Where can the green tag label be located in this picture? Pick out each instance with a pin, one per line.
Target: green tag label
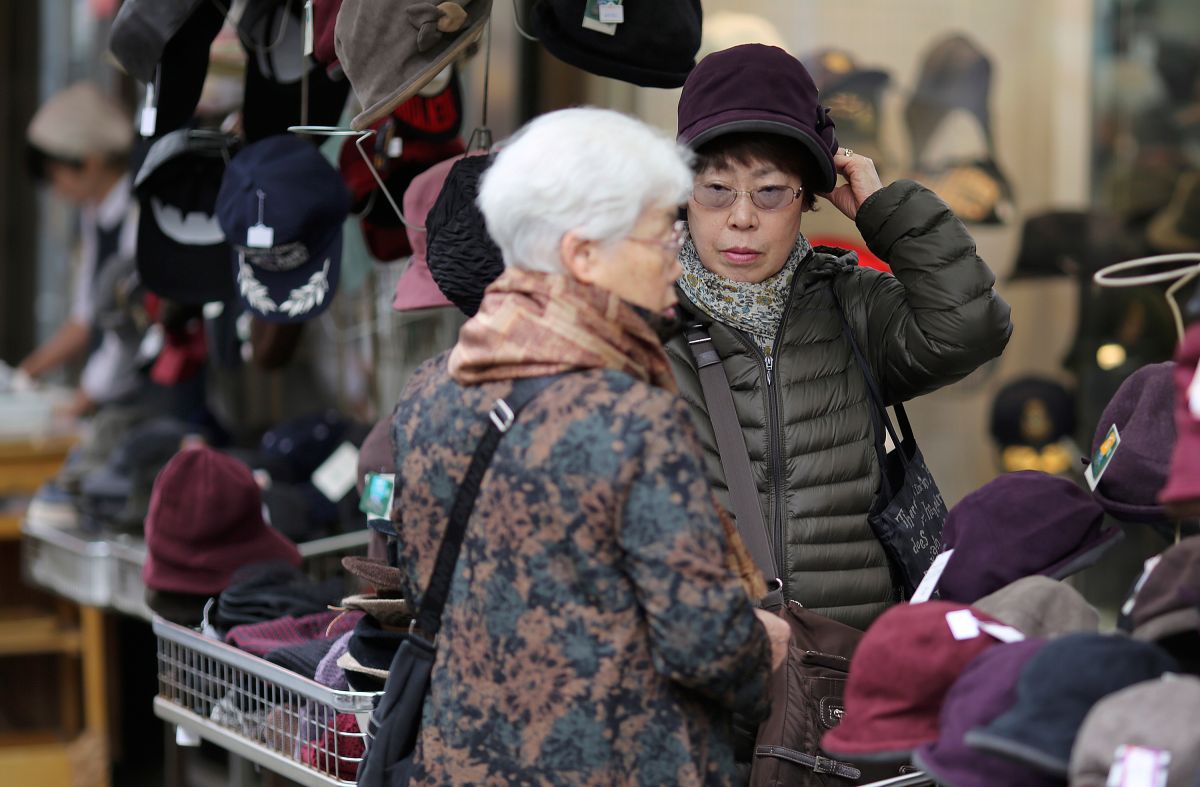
(1104, 455)
(377, 495)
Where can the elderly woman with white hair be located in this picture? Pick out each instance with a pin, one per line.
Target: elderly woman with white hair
(596, 630)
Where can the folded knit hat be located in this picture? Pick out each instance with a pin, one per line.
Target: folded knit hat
(904, 665)
(1158, 714)
(1038, 606)
(1017, 525)
(205, 521)
(463, 259)
(1057, 689)
(986, 688)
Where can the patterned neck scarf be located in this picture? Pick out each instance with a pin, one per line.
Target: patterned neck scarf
(533, 324)
(753, 308)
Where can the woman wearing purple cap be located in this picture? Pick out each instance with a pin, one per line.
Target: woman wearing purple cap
(766, 149)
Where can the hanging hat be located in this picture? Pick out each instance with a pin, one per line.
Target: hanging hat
(763, 89)
(205, 522)
(141, 30)
(1057, 688)
(272, 34)
(854, 96)
(389, 53)
(1164, 604)
(976, 190)
(1176, 228)
(181, 249)
(284, 185)
(904, 665)
(723, 29)
(1017, 525)
(1066, 243)
(416, 289)
(325, 14)
(1143, 410)
(1032, 421)
(301, 444)
(986, 688)
(463, 259)
(80, 121)
(1158, 714)
(421, 132)
(1038, 606)
(655, 45)
(1181, 494)
(955, 74)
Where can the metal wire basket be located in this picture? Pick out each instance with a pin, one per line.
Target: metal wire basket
(269, 715)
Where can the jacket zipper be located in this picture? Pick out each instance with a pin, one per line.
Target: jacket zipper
(774, 441)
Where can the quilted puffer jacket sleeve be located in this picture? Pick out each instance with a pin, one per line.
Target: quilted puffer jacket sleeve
(938, 318)
(703, 632)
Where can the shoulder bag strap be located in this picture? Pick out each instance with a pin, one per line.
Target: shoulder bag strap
(501, 417)
(879, 413)
(735, 459)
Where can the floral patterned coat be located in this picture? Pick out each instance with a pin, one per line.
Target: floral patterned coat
(594, 634)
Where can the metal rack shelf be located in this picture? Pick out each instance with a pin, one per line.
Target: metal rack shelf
(258, 710)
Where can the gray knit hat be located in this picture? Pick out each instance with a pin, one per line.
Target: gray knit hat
(1157, 714)
(390, 50)
(1038, 606)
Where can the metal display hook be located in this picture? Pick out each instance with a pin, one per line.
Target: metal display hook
(362, 136)
(1106, 277)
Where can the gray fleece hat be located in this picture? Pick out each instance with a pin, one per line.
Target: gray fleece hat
(1038, 606)
(1158, 714)
(389, 50)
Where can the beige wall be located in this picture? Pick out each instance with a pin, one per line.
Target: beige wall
(1040, 52)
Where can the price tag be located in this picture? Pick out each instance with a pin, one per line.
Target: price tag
(337, 474)
(963, 624)
(591, 17)
(1001, 632)
(1139, 766)
(377, 495)
(1194, 394)
(259, 235)
(925, 590)
(395, 147)
(1104, 455)
(308, 27)
(612, 13)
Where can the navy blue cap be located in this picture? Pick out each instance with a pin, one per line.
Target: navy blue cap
(284, 182)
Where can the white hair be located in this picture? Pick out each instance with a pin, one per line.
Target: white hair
(590, 171)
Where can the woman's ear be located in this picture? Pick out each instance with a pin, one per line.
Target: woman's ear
(578, 256)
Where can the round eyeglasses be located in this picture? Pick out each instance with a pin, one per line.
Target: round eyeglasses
(672, 243)
(714, 195)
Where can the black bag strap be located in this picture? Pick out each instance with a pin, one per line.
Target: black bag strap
(501, 417)
(735, 459)
(879, 413)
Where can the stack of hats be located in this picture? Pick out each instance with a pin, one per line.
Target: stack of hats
(384, 625)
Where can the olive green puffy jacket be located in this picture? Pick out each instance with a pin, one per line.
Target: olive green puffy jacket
(806, 421)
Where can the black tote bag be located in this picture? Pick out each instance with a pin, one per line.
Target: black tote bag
(909, 513)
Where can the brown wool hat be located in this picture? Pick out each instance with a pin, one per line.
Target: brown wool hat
(375, 572)
(1038, 606)
(1157, 714)
(390, 50)
(394, 612)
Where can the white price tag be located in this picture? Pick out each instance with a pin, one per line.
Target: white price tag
(260, 236)
(395, 147)
(925, 590)
(186, 738)
(1001, 632)
(1194, 394)
(1139, 766)
(308, 27)
(337, 474)
(149, 121)
(612, 13)
(963, 624)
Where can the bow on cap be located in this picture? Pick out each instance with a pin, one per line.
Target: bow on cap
(435, 21)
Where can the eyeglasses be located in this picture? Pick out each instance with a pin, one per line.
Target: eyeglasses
(672, 243)
(714, 195)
